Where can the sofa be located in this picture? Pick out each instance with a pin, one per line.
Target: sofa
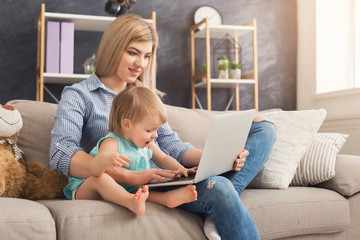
(329, 210)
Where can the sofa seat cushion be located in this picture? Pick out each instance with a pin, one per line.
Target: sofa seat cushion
(297, 211)
(90, 219)
(25, 219)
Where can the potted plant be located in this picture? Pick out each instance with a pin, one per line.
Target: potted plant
(203, 69)
(235, 70)
(223, 67)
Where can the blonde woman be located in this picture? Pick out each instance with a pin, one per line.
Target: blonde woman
(127, 57)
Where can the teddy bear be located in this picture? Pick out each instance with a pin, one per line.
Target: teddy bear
(19, 177)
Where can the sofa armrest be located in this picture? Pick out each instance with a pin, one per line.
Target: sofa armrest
(35, 136)
(347, 176)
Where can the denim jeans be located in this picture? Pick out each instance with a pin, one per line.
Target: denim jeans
(218, 196)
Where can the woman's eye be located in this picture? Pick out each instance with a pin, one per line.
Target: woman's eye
(147, 56)
(132, 53)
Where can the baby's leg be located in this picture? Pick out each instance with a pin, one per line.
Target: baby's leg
(174, 198)
(105, 187)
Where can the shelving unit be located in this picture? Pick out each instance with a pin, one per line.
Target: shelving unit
(218, 32)
(82, 23)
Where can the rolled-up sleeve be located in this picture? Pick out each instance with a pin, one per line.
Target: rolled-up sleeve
(67, 131)
(170, 143)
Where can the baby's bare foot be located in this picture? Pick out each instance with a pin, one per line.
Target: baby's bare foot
(137, 205)
(180, 196)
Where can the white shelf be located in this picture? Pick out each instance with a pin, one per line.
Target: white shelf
(219, 31)
(224, 83)
(84, 22)
(59, 78)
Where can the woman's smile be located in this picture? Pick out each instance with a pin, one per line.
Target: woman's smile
(134, 72)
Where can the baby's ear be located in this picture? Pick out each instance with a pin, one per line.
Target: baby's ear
(125, 124)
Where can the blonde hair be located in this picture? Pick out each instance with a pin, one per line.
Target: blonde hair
(134, 104)
(123, 30)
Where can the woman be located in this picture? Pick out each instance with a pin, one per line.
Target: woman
(127, 57)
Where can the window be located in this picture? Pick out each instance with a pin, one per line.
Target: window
(337, 45)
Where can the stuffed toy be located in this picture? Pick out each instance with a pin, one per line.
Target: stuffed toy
(19, 177)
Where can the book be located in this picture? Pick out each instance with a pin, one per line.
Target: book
(52, 47)
(67, 32)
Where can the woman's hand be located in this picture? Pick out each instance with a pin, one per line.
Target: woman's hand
(240, 160)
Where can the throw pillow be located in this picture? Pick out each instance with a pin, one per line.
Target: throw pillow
(295, 132)
(318, 162)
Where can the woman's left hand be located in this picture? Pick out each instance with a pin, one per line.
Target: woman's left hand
(240, 160)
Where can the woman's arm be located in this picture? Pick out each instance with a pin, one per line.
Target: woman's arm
(192, 157)
(66, 135)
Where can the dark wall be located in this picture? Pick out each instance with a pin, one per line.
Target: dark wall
(276, 21)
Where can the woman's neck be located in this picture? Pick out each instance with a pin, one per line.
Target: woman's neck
(114, 84)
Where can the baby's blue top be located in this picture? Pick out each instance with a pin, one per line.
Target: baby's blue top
(140, 158)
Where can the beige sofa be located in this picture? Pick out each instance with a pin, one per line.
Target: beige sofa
(329, 211)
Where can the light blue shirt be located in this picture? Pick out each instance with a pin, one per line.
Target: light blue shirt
(82, 118)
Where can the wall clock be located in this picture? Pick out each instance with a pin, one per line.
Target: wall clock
(212, 13)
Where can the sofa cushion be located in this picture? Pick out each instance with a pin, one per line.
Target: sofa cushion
(90, 219)
(192, 125)
(347, 178)
(296, 211)
(24, 219)
(38, 119)
(318, 163)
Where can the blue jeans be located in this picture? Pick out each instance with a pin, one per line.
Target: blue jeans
(218, 196)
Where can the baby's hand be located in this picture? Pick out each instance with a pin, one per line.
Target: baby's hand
(186, 171)
(114, 159)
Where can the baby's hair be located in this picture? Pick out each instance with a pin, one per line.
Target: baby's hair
(134, 104)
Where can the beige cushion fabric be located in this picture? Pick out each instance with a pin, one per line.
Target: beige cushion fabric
(318, 163)
(296, 211)
(295, 132)
(38, 118)
(192, 125)
(86, 219)
(24, 219)
(347, 179)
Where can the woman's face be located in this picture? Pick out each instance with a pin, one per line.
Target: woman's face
(134, 60)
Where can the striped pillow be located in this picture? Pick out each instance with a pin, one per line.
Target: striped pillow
(318, 163)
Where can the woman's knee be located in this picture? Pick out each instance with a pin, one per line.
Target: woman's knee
(264, 125)
(220, 186)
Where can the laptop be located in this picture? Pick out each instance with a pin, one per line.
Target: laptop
(226, 139)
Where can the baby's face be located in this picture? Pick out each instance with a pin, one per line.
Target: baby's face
(143, 132)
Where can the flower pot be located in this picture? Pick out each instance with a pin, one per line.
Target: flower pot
(223, 74)
(235, 73)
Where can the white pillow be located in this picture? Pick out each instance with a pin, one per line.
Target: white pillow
(295, 132)
(318, 162)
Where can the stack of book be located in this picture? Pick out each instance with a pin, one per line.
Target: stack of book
(60, 47)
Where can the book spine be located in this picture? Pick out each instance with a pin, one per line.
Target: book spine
(67, 48)
(52, 47)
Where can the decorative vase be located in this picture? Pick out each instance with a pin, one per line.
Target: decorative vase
(223, 74)
(223, 68)
(235, 73)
